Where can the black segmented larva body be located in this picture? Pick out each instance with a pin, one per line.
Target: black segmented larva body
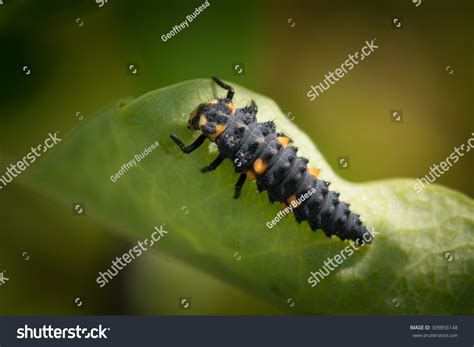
(258, 152)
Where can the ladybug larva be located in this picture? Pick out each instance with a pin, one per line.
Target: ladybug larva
(259, 153)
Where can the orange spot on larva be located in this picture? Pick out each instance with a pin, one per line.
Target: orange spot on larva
(231, 107)
(283, 205)
(314, 172)
(283, 140)
(292, 201)
(202, 120)
(259, 166)
(219, 129)
(251, 176)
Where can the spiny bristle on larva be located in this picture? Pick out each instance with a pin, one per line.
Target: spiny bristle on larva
(268, 128)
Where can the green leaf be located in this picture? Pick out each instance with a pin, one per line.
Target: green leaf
(406, 270)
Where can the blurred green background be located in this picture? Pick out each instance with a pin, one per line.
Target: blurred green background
(79, 56)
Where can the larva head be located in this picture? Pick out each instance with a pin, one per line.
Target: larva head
(211, 117)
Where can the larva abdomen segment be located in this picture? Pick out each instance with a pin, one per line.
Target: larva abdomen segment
(323, 210)
(286, 177)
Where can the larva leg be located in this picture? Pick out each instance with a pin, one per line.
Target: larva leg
(212, 166)
(188, 149)
(239, 184)
(230, 90)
